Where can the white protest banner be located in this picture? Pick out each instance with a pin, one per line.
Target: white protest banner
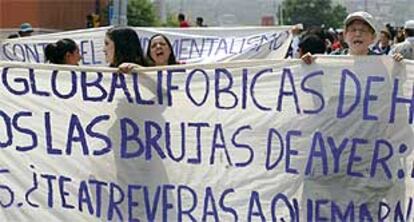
(264, 140)
(190, 45)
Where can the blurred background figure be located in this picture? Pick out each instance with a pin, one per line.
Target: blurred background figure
(383, 46)
(293, 51)
(93, 21)
(64, 51)
(200, 22)
(25, 29)
(311, 43)
(391, 30)
(160, 51)
(399, 37)
(339, 42)
(183, 23)
(89, 21)
(13, 36)
(405, 49)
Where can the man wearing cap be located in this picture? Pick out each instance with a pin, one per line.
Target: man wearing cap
(343, 188)
(405, 50)
(25, 30)
(359, 34)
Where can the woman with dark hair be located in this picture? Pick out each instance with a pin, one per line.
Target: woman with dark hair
(160, 51)
(64, 51)
(122, 45)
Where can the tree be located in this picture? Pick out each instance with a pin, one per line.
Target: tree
(338, 16)
(141, 13)
(171, 21)
(313, 13)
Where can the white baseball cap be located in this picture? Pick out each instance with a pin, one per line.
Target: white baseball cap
(409, 24)
(363, 16)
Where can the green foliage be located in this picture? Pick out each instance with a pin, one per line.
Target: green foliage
(313, 13)
(339, 14)
(172, 21)
(141, 13)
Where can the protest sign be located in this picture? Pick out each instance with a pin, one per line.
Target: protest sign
(238, 141)
(192, 45)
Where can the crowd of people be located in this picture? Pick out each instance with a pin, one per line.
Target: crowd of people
(25, 30)
(123, 49)
(183, 23)
(358, 37)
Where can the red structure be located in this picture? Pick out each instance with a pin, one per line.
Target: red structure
(49, 14)
(268, 21)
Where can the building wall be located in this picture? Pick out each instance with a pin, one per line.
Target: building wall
(225, 12)
(384, 11)
(48, 14)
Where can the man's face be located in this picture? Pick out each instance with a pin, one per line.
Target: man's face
(359, 36)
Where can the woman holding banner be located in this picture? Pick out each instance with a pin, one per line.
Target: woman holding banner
(123, 50)
(122, 45)
(160, 51)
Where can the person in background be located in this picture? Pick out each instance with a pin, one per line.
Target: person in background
(383, 45)
(89, 21)
(160, 51)
(399, 37)
(25, 30)
(339, 42)
(183, 23)
(391, 30)
(405, 50)
(293, 51)
(311, 43)
(199, 22)
(13, 36)
(329, 35)
(122, 45)
(64, 51)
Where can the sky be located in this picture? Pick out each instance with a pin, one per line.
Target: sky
(249, 12)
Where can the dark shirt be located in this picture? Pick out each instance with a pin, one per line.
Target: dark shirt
(346, 52)
(381, 50)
